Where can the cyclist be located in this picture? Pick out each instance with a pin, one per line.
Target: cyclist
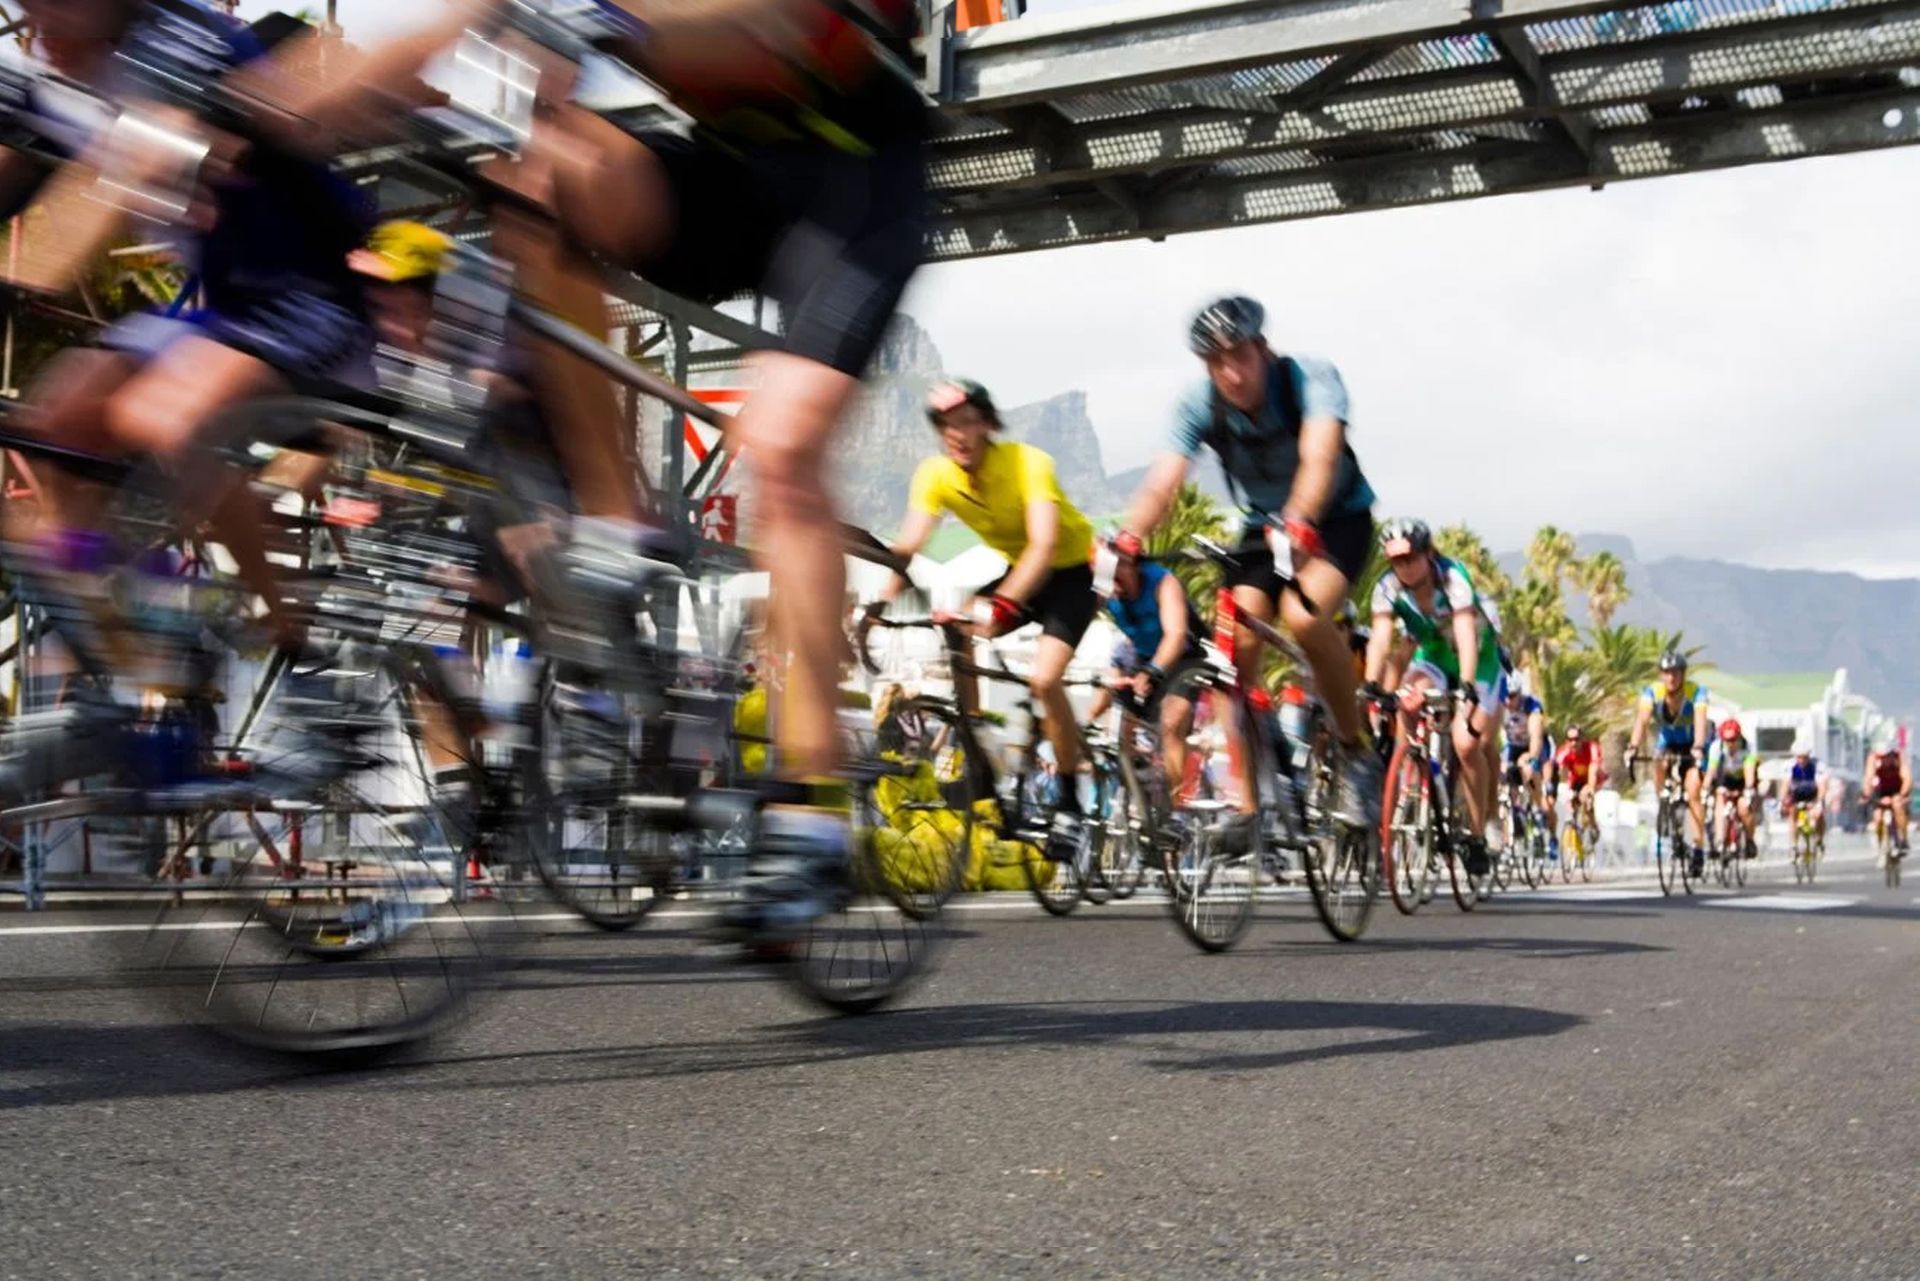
(1578, 766)
(1007, 493)
(1733, 770)
(1890, 786)
(1455, 648)
(1675, 711)
(1278, 424)
(1159, 629)
(803, 178)
(1805, 787)
(1529, 746)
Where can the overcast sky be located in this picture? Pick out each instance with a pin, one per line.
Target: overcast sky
(1714, 365)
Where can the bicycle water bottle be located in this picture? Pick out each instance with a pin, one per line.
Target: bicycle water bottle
(506, 695)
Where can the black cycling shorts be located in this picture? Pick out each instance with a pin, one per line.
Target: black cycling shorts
(830, 235)
(1349, 540)
(1064, 605)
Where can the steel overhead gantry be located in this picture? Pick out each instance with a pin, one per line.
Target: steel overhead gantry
(1151, 118)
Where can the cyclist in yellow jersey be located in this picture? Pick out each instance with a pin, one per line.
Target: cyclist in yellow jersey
(1007, 493)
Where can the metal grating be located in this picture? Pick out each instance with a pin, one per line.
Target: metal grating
(1468, 49)
(1626, 26)
(1756, 61)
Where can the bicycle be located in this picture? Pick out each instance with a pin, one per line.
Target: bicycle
(1886, 846)
(1672, 854)
(1579, 842)
(1421, 788)
(1229, 828)
(1528, 857)
(1728, 843)
(1012, 811)
(1809, 842)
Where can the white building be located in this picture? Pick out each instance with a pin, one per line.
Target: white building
(1839, 726)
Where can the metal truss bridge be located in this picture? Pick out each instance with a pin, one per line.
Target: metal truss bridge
(1149, 119)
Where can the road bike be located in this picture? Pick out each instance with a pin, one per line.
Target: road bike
(1673, 854)
(1424, 816)
(1809, 842)
(1580, 849)
(1728, 843)
(1235, 814)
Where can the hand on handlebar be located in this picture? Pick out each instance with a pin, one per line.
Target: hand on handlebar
(1305, 537)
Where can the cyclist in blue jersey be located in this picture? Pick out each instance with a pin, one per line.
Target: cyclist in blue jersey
(1278, 424)
(1805, 787)
(1674, 713)
(1159, 630)
(1529, 746)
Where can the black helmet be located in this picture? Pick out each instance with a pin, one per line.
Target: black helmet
(1673, 661)
(949, 394)
(1410, 536)
(1226, 323)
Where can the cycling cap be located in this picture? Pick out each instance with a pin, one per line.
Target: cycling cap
(1730, 730)
(401, 251)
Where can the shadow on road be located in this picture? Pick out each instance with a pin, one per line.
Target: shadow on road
(79, 1064)
(1532, 948)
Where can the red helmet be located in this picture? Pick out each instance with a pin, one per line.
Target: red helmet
(1729, 730)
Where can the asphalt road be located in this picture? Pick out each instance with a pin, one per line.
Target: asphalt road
(1580, 1084)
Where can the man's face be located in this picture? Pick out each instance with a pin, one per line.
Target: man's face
(1126, 578)
(964, 433)
(1410, 569)
(401, 315)
(1673, 679)
(1573, 735)
(1239, 374)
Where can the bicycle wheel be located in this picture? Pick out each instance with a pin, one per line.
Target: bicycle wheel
(1407, 850)
(1739, 858)
(918, 815)
(1802, 855)
(1343, 873)
(1213, 864)
(1120, 861)
(866, 950)
(1572, 851)
(1468, 889)
(1893, 861)
(1666, 852)
(1590, 851)
(330, 919)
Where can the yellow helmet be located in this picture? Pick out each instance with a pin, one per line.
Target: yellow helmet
(400, 251)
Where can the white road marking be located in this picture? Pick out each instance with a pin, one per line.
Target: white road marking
(1789, 902)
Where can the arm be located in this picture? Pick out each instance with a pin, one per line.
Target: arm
(1156, 494)
(1379, 647)
(914, 532)
(1700, 720)
(1036, 562)
(1640, 717)
(1536, 734)
(1466, 643)
(1321, 444)
(1173, 623)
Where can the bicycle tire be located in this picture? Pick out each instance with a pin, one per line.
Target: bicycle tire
(1468, 889)
(1572, 851)
(388, 945)
(918, 819)
(1212, 890)
(1407, 844)
(1346, 889)
(1664, 849)
(1121, 865)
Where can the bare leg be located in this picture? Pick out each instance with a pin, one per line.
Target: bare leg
(1325, 648)
(785, 429)
(1050, 661)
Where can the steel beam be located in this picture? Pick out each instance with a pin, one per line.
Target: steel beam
(1714, 140)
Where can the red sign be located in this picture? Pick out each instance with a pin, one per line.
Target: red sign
(720, 518)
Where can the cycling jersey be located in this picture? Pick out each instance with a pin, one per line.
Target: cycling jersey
(1139, 619)
(993, 501)
(273, 266)
(1886, 775)
(1577, 760)
(1432, 632)
(1260, 452)
(1673, 729)
(1519, 732)
(1728, 768)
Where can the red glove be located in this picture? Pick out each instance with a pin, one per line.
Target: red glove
(1128, 545)
(1004, 615)
(1305, 536)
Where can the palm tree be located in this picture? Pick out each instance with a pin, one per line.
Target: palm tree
(1551, 554)
(1603, 578)
(1192, 515)
(1458, 542)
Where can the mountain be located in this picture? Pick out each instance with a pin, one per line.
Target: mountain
(1753, 620)
(888, 436)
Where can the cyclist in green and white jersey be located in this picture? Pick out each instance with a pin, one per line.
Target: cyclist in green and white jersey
(1450, 623)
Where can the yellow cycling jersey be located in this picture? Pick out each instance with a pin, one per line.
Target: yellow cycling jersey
(1691, 694)
(993, 502)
